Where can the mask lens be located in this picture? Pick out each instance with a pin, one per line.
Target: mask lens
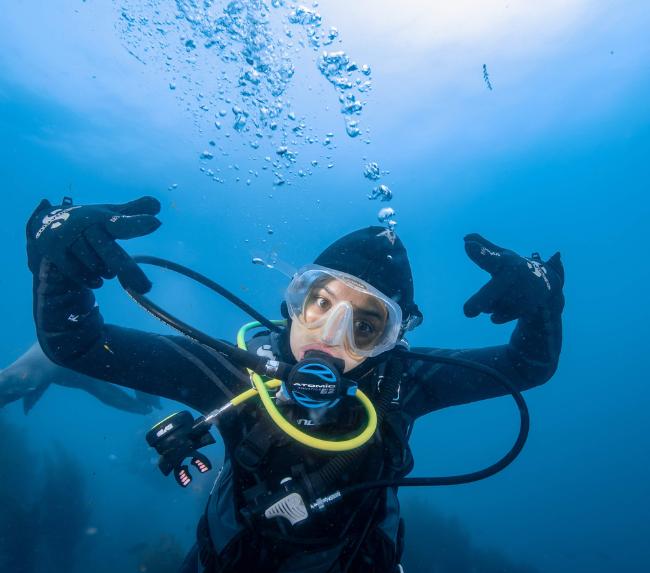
(318, 302)
(369, 325)
(367, 314)
(348, 310)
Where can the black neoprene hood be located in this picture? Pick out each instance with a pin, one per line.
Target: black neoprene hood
(377, 256)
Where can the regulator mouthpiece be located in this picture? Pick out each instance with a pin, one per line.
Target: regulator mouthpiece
(316, 382)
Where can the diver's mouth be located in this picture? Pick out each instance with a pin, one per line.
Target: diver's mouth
(321, 347)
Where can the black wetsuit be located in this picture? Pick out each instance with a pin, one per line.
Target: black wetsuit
(359, 535)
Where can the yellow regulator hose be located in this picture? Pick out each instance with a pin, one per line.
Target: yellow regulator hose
(261, 388)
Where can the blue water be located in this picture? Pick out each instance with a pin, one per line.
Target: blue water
(529, 125)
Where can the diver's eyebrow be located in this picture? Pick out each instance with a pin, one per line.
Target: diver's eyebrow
(328, 291)
(371, 313)
(365, 311)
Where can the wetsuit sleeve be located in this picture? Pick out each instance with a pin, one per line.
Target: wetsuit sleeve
(530, 359)
(72, 333)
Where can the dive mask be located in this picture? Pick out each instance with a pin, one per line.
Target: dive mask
(345, 310)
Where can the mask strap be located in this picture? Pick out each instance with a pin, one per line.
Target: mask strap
(284, 310)
(414, 319)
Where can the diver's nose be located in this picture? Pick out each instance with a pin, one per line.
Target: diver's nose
(337, 324)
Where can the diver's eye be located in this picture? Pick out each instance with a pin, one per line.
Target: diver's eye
(322, 303)
(316, 307)
(364, 329)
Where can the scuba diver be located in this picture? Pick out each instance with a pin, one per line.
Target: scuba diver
(289, 496)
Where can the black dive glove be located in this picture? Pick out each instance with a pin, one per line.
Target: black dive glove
(519, 287)
(81, 240)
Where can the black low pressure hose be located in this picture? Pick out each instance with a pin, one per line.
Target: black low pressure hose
(506, 460)
(242, 357)
(209, 283)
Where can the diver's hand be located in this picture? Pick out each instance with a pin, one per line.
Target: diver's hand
(81, 240)
(519, 286)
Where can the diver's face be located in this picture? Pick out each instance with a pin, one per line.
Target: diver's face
(339, 312)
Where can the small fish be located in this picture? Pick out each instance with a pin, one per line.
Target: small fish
(486, 77)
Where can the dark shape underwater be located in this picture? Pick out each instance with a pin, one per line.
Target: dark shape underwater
(31, 375)
(442, 544)
(44, 514)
